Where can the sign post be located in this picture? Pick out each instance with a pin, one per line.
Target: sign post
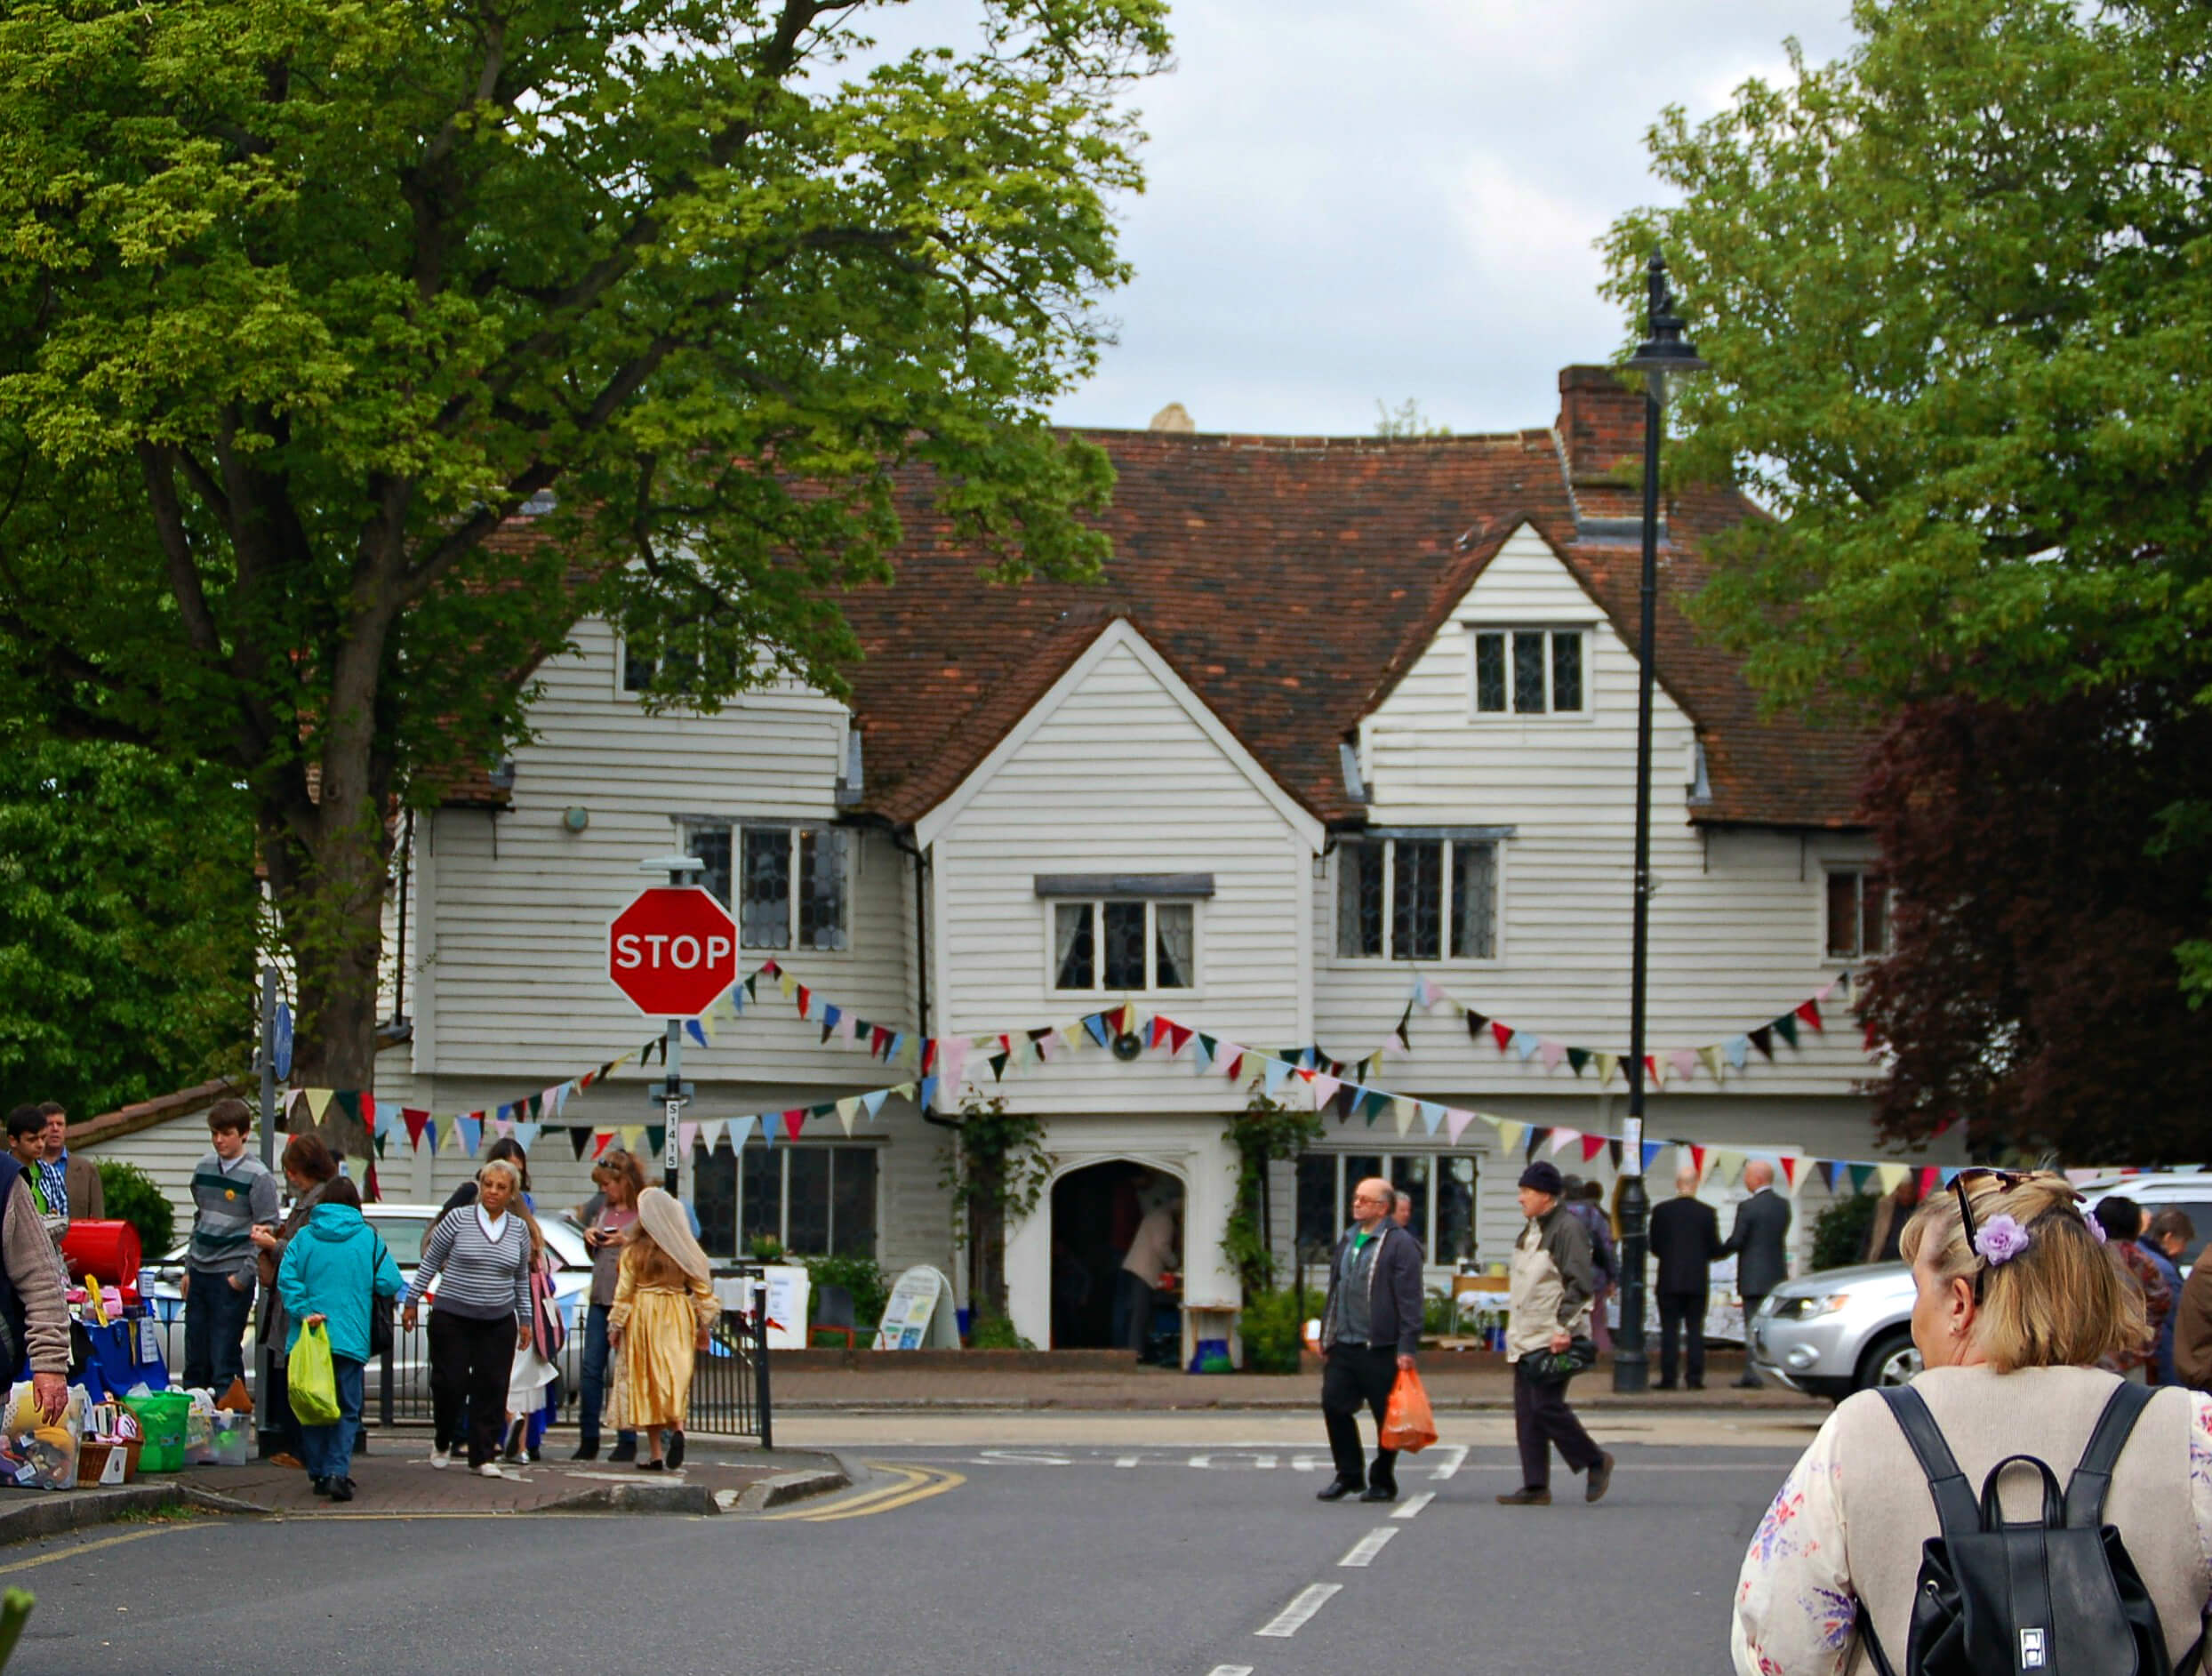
(673, 952)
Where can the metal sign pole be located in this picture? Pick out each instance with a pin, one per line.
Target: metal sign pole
(672, 1106)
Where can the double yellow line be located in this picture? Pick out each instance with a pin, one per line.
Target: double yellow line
(915, 1484)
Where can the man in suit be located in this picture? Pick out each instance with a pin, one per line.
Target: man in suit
(1370, 1329)
(1685, 1239)
(87, 1198)
(1760, 1244)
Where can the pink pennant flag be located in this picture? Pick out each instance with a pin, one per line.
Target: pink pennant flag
(505, 1125)
(1323, 1089)
(686, 1133)
(1560, 1138)
(1552, 1053)
(1685, 1063)
(952, 1052)
(1455, 1123)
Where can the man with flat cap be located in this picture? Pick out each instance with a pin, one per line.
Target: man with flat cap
(1370, 1329)
(1547, 1309)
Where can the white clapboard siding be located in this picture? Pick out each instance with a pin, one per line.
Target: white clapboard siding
(1118, 775)
(1737, 916)
(507, 929)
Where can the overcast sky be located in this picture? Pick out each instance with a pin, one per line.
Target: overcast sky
(1390, 198)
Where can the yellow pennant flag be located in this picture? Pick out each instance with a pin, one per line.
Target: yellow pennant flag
(1893, 1175)
(1509, 1135)
(318, 1101)
(847, 1109)
(633, 1136)
(1712, 1061)
(786, 983)
(1405, 1108)
(1608, 1063)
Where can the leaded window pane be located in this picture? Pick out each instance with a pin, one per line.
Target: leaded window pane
(1318, 1222)
(1172, 934)
(1474, 901)
(714, 1196)
(1528, 671)
(1358, 900)
(852, 1202)
(711, 845)
(1490, 672)
(1843, 916)
(806, 1210)
(760, 1196)
(1075, 961)
(821, 872)
(764, 914)
(1455, 1211)
(1409, 1173)
(1417, 900)
(1567, 671)
(1124, 946)
(1874, 916)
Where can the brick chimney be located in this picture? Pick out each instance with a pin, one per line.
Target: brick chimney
(1601, 430)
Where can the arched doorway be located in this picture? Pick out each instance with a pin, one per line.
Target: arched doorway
(1095, 1210)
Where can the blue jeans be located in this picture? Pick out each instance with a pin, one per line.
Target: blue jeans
(215, 1314)
(329, 1448)
(592, 1398)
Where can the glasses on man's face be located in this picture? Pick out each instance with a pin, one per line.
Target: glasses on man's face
(2006, 1180)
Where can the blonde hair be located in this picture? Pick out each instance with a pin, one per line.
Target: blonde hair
(2061, 1303)
(650, 1264)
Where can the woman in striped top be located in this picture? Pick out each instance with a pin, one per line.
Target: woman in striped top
(479, 1255)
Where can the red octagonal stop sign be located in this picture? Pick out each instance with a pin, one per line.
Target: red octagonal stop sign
(673, 950)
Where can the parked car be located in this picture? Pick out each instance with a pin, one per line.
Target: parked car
(1842, 1330)
(404, 1228)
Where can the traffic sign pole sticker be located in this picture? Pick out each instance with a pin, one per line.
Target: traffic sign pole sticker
(673, 950)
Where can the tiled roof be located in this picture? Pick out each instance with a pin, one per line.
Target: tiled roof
(1291, 581)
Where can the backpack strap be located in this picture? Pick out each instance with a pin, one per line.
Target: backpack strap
(2086, 1490)
(1955, 1510)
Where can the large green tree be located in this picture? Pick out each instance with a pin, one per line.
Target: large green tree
(1955, 294)
(302, 303)
(130, 920)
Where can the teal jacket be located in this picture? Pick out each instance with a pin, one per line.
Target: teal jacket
(329, 1269)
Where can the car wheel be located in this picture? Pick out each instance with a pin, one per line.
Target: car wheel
(1892, 1359)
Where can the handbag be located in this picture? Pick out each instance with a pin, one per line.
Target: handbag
(1548, 1366)
(549, 1332)
(380, 1309)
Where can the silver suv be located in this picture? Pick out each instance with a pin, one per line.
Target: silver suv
(1842, 1330)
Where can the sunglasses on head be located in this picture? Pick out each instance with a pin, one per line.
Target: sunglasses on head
(2006, 1180)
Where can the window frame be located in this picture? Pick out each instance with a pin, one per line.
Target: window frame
(1052, 905)
(1494, 839)
(735, 827)
(1439, 1160)
(1581, 631)
(756, 1151)
(1863, 873)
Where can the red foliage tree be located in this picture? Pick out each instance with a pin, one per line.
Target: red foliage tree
(2033, 990)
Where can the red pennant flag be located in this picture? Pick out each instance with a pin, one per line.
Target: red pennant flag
(601, 1142)
(929, 1053)
(769, 968)
(1811, 1012)
(1160, 1027)
(793, 1120)
(1178, 1038)
(1697, 1161)
(879, 1039)
(414, 1121)
(1789, 1169)
(1592, 1145)
(1930, 1178)
(1651, 1070)
(1505, 1034)
(805, 999)
(368, 1113)
(1235, 1067)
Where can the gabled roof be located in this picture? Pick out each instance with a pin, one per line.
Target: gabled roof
(1290, 581)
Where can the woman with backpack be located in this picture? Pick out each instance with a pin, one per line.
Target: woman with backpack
(1898, 1512)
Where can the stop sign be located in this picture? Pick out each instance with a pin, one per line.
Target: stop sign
(673, 950)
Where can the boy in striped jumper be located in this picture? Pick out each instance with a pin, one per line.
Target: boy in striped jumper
(231, 1191)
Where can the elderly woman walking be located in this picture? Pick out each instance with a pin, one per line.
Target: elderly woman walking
(663, 1311)
(2016, 1302)
(480, 1257)
(334, 1273)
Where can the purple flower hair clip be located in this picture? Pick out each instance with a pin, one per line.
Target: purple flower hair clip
(2096, 1227)
(2001, 1239)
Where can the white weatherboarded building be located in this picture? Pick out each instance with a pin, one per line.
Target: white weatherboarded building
(1345, 718)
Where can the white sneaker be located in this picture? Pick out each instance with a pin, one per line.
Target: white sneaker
(440, 1459)
(490, 1469)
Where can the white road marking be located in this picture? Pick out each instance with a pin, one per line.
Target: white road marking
(1307, 1464)
(1363, 1551)
(1265, 1462)
(1125, 1460)
(1201, 1462)
(1294, 1618)
(1013, 1457)
(1411, 1509)
(1231, 1670)
(1450, 1458)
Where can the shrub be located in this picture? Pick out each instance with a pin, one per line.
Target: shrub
(1839, 1232)
(1271, 1327)
(766, 1249)
(995, 1331)
(133, 1197)
(870, 1286)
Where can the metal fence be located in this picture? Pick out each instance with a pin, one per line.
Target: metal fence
(729, 1379)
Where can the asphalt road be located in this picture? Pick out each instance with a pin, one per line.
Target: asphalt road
(954, 1558)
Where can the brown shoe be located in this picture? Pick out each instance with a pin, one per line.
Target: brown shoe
(1600, 1478)
(1526, 1496)
(282, 1458)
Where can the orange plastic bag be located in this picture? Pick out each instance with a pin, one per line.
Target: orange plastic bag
(1407, 1424)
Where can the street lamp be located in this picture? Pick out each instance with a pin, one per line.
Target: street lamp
(1662, 351)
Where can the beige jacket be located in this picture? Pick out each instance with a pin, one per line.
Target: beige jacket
(30, 1256)
(1850, 1519)
(1152, 1252)
(1548, 1283)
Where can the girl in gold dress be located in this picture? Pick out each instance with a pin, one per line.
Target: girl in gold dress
(664, 1308)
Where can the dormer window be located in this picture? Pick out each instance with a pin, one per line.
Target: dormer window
(1528, 671)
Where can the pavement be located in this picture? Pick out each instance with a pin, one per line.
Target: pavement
(958, 1555)
(1461, 1381)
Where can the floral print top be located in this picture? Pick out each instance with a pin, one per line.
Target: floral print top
(1795, 1614)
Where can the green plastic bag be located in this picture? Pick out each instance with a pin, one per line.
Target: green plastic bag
(309, 1379)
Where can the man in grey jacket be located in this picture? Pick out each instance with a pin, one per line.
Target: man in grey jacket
(1370, 1329)
(1760, 1244)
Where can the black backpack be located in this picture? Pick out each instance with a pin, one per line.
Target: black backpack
(2057, 1595)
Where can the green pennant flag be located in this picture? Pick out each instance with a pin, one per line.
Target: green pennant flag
(1373, 1104)
(1208, 1044)
(379, 1145)
(752, 986)
(997, 1066)
(1785, 1027)
(1576, 1058)
(657, 1139)
(348, 1101)
(1861, 1173)
(826, 1108)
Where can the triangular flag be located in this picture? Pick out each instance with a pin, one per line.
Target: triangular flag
(1735, 1050)
(318, 1101)
(1785, 1027)
(848, 1109)
(1431, 1116)
(471, 1133)
(1405, 1018)
(1406, 1111)
(429, 1134)
(710, 1134)
(1502, 1034)
(1323, 1089)
(1475, 1021)
(1561, 1135)
(740, 1132)
(1592, 1145)
(1861, 1174)
(1276, 1072)
(1931, 1178)
(633, 1136)
(600, 1140)
(1651, 1150)
(416, 1121)
(656, 1140)
(1709, 1057)
(1576, 1058)
(1685, 1063)
(1509, 1135)
(1096, 1024)
(1893, 1175)
(794, 1121)
(1554, 1052)
(1789, 1171)
(1697, 1161)
(526, 1135)
(1810, 1011)
(1608, 1063)
(687, 1136)
(580, 1139)
(873, 1101)
(1455, 1122)
(1525, 1043)
(695, 1030)
(1762, 1038)
(1652, 1076)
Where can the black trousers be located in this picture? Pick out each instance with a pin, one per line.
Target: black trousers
(1139, 1301)
(1356, 1376)
(1681, 1314)
(1542, 1420)
(470, 1363)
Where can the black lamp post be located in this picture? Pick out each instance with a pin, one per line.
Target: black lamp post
(1661, 352)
